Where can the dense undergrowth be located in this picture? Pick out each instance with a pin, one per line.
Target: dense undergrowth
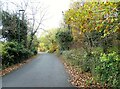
(105, 69)
(17, 42)
(13, 53)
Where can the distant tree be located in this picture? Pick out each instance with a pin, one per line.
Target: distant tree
(48, 41)
(64, 38)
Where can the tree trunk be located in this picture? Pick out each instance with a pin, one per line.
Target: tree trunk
(31, 40)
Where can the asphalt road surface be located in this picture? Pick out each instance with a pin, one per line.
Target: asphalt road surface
(44, 71)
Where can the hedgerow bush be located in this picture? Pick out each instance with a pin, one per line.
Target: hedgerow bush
(87, 62)
(80, 58)
(64, 39)
(13, 53)
(74, 57)
(34, 50)
(105, 68)
(108, 70)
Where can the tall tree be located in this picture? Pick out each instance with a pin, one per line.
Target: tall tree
(101, 17)
(13, 27)
(34, 13)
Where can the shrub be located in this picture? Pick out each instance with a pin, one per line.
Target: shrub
(104, 67)
(34, 50)
(87, 62)
(108, 70)
(9, 53)
(64, 38)
(1, 46)
(74, 57)
(90, 61)
(13, 53)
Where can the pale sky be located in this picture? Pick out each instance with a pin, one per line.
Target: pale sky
(54, 10)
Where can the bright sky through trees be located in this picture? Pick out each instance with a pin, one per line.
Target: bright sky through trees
(54, 10)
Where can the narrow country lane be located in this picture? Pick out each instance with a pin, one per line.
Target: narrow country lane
(44, 71)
